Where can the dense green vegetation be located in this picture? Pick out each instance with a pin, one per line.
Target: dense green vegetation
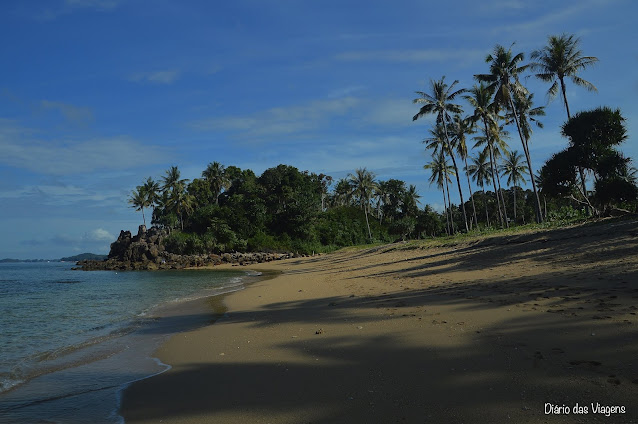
(284, 209)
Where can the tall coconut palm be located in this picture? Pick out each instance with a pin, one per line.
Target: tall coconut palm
(481, 174)
(480, 98)
(527, 114)
(505, 68)
(461, 127)
(215, 174)
(363, 185)
(515, 171)
(439, 102)
(497, 147)
(440, 174)
(562, 58)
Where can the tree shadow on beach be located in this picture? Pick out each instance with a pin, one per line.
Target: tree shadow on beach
(564, 337)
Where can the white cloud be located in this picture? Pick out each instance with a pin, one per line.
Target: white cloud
(98, 235)
(62, 157)
(156, 77)
(280, 120)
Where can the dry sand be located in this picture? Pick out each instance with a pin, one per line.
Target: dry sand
(486, 331)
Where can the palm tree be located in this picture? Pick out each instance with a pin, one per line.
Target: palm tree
(480, 172)
(480, 98)
(410, 201)
(363, 185)
(175, 189)
(561, 58)
(139, 201)
(439, 103)
(342, 193)
(151, 189)
(497, 148)
(171, 180)
(181, 202)
(215, 174)
(460, 128)
(440, 174)
(514, 169)
(503, 78)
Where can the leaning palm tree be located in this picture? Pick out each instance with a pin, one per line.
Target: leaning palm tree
(461, 127)
(480, 172)
(504, 74)
(561, 58)
(215, 174)
(439, 103)
(440, 174)
(363, 185)
(515, 171)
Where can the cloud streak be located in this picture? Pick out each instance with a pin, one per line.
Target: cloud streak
(70, 112)
(60, 157)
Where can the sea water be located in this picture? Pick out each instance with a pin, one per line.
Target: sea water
(70, 341)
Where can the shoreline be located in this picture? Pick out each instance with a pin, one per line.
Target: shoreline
(94, 378)
(477, 332)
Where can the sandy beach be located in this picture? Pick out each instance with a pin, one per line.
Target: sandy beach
(485, 331)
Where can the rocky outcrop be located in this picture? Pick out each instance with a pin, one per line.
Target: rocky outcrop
(145, 251)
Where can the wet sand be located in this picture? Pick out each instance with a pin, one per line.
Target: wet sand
(489, 330)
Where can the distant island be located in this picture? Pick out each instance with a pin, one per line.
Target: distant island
(80, 257)
(83, 256)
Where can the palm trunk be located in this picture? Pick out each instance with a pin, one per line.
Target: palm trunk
(489, 144)
(580, 168)
(456, 170)
(514, 204)
(470, 188)
(500, 191)
(365, 211)
(447, 219)
(494, 179)
(449, 205)
(539, 216)
(143, 218)
(487, 215)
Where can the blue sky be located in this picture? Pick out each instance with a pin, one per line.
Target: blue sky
(96, 95)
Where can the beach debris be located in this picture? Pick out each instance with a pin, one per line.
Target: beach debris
(319, 331)
(222, 354)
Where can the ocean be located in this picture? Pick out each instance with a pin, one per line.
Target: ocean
(71, 341)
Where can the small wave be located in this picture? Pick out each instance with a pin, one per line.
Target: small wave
(8, 381)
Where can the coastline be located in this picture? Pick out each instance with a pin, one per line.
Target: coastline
(87, 383)
(477, 332)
